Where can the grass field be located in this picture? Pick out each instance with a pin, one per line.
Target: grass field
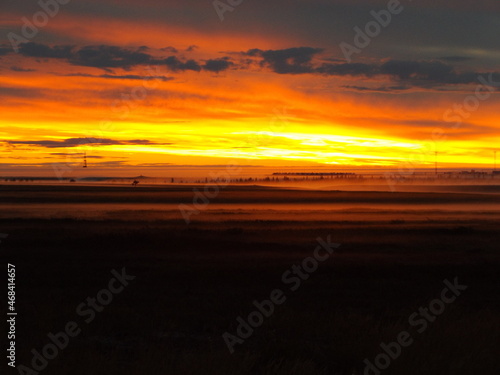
(193, 280)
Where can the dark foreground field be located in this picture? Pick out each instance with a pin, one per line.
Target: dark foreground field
(192, 281)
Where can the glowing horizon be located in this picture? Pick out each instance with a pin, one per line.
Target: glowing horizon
(137, 91)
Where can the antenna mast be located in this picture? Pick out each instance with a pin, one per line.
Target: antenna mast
(436, 162)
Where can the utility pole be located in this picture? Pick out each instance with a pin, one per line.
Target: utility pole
(436, 162)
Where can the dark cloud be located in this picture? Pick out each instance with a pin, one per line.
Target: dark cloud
(217, 65)
(19, 92)
(174, 64)
(19, 69)
(76, 142)
(431, 73)
(40, 50)
(449, 26)
(169, 49)
(344, 69)
(126, 76)
(420, 70)
(94, 56)
(381, 89)
(109, 57)
(456, 58)
(135, 77)
(295, 60)
(191, 48)
(5, 50)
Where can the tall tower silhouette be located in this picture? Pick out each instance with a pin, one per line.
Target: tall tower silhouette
(436, 163)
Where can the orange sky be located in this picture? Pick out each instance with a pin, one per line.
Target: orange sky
(282, 104)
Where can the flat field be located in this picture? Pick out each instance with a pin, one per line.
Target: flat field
(193, 280)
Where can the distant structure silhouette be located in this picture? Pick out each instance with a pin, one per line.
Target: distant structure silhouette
(135, 183)
(85, 160)
(436, 163)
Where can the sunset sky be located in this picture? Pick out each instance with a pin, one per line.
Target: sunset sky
(154, 83)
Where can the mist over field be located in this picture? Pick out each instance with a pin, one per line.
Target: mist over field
(250, 187)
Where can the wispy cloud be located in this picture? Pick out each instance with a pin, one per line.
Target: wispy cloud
(77, 142)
